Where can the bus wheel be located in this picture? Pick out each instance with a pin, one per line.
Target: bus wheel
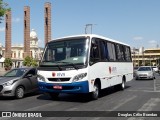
(122, 85)
(95, 92)
(54, 95)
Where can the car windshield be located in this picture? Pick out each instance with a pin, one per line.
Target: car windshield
(15, 73)
(145, 69)
(65, 52)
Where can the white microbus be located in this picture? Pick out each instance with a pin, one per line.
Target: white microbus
(84, 64)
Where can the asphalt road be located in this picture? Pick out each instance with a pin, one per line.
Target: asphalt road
(139, 95)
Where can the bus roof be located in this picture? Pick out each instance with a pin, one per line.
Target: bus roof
(91, 36)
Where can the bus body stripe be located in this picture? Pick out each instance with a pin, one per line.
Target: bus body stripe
(75, 87)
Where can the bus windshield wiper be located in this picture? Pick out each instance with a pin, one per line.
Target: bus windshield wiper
(55, 63)
(69, 63)
(58, 66)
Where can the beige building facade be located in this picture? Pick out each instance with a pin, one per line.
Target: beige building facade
(17, 51)
(147, 57)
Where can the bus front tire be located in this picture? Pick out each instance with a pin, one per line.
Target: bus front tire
(95, 93)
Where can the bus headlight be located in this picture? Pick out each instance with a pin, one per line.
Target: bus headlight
(79, 77)
(40, 78)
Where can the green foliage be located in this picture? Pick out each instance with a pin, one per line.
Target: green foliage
(8, 63)
(28, 61)
(34, 63)
(3, 9)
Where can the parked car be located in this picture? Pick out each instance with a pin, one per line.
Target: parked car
(156, 69)
(19, 81)
(135, 70)
(145, 72)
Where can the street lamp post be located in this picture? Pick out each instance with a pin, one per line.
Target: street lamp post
(86, 27)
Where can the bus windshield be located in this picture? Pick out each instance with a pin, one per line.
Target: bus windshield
(66, 52)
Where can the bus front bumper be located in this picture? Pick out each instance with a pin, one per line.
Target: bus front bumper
(75, 87)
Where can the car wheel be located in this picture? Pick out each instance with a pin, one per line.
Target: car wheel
(95, 93)
(153, 78)
(19, 93)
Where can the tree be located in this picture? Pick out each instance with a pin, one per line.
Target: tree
(3, 9)
(34, 63)
(28, 61)
(8, 63)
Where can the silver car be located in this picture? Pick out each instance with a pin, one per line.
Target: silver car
(18, 81)
(145, 72)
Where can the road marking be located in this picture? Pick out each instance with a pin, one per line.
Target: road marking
(157, 85)
(71, 109)
(97, 118)
(122, 103)
(45, 105)
(144, 91)
(148, 106)
(37, 108)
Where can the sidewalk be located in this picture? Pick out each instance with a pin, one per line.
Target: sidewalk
(2, 71)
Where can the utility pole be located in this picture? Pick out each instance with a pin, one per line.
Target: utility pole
(86, 28)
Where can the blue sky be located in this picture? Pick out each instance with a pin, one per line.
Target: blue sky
(135, 22)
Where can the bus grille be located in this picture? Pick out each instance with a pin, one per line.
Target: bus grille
(63, 87)
(59, 79)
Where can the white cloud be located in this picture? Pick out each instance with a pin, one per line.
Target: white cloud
(138, 38)
(2, 29)
(40, 43)
(153, 43)
(16, 20)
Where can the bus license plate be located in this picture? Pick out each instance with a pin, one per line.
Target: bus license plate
(57, 87)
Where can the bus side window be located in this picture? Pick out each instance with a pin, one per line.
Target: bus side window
(118, 52)
(111, 51)
(104, 51)
(127, 54)
(122, 53)
(94, 53)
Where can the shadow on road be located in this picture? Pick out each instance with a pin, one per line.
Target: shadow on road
(110, 90)
(26, 96)
(144, 79)
(83, 98)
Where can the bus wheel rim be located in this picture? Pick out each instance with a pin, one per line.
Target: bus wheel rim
(123, 84)
(96, 92)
